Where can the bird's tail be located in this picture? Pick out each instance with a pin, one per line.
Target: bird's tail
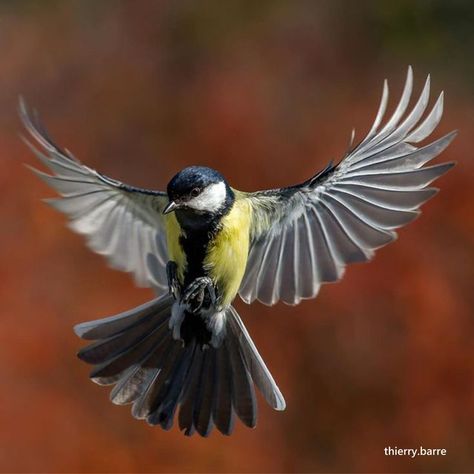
(135, 350)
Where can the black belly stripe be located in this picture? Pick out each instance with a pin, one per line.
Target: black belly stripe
(199, 232)
(195, 248)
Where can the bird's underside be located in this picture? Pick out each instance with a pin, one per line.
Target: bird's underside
(300, 237)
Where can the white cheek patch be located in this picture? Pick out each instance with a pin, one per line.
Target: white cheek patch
(211, 199)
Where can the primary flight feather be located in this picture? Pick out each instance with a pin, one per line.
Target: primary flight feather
(201, 243)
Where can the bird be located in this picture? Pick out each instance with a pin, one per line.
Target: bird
(186, 353)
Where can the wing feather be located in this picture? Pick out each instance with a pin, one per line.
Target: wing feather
(288, 283)
(304, 265)
(121, 222)
(326, 255)
(345, 212)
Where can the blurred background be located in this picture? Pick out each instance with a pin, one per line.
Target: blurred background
(267, 92)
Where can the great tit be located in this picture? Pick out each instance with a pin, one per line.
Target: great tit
(201, 243)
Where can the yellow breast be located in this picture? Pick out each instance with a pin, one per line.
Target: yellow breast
(226, 258)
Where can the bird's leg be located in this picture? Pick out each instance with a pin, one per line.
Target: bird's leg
(195, 294)
(173, 283)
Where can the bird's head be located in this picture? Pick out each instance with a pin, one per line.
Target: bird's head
(198, 192)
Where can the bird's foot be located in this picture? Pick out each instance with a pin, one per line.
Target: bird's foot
(195, 294)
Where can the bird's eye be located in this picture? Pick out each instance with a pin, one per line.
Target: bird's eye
(195, 192)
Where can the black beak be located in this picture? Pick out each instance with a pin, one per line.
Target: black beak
(170, 207)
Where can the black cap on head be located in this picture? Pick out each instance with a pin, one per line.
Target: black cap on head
(200, 196)
(191, 178)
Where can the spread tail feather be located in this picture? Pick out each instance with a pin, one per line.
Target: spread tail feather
(135, 350)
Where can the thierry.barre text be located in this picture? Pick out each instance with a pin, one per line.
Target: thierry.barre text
(413, 452)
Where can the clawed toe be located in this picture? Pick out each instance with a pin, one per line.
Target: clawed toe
(194, 294)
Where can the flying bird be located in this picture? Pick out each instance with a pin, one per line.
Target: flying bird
(202, 242)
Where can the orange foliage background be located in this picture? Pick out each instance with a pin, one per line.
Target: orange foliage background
(267, 92)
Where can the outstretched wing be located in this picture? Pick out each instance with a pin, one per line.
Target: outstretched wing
(305, 235)
(121, 222)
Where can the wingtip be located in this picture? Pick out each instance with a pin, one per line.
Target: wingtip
(432, 192)
(24, 112)
(281, 403)
(446, 167)
(35, 171)
(22, 108)
(351, 140)
(428, 81)
(440, 101)
(451, 135)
